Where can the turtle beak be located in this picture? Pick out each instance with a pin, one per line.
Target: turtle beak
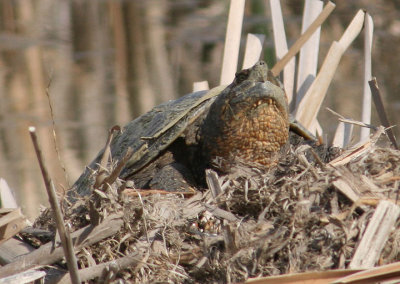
(266, 93)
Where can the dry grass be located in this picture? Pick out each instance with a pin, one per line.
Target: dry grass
(290, 219)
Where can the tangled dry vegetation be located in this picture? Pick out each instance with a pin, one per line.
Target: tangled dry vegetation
(292, 219)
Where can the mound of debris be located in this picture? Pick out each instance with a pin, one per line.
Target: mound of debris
(311, 213)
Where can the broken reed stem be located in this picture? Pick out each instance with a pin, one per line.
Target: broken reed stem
(374, 275)
(357, 150)
(232, 41)
(376, 95)
(343, 119)
(200, 86)
(303, 38)
(375, 235)
(115, 173)
(213, 183)
(252, 53)
(47, 254)
(98, 270)
(366, 101)
(308, 57)
(309, 106)
(106, 155)
(64, 234)
(281, 47)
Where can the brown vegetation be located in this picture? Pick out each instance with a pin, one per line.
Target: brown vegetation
(108, 62)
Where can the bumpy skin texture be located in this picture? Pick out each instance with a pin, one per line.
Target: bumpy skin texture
(248, 121)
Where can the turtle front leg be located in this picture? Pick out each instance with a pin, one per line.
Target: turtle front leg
(300, 130)
(173, 177)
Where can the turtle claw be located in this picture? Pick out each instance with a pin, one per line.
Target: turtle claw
(296, 127)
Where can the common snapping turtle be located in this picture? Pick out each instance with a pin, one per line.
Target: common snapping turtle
(177, 140)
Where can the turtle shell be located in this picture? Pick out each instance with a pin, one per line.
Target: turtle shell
(151, 133)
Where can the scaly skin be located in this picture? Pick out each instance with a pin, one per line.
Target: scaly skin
(248, 121)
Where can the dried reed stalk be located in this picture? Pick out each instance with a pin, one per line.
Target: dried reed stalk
(343, 135)
(200, 86)
(303, 38)
(366, 103)
(7, 199)
(48, 254)
(309, 107)
(357, 150)
(12, 221)
(24, 277)
(381, 111)
(374, 275)
(63, 232)
(232, 41)
(308, 57)
(375, 236)
(252, 53)
(281, 47)
(314, 277)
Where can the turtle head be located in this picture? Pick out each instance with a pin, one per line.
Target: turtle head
(249, 119)
(253, 87)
